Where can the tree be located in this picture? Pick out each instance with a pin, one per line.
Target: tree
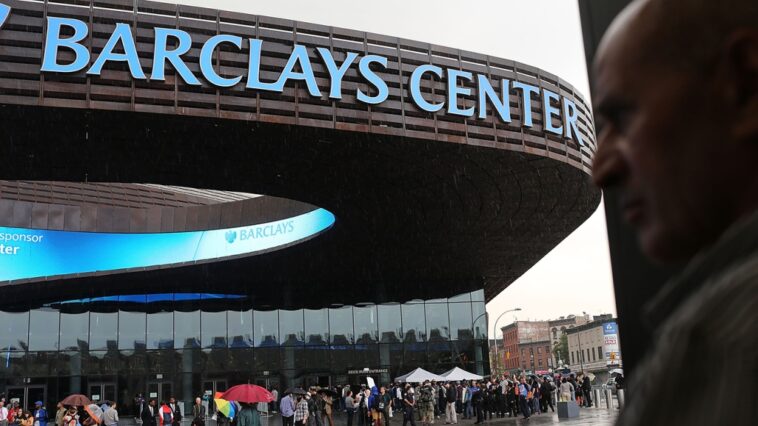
(560, 349)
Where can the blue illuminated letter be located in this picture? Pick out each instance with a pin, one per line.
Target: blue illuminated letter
(254, 69)
(501, 104)
(381, 85)
(526, 98)
(335, 73)
(569, 121)
(299, 54)
(53, 42)
(161, 55)
(206, 60)
(122, 33)
(453, 91)
(548, 111)
(416, 87)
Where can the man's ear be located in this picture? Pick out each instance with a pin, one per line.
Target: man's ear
(742, 56)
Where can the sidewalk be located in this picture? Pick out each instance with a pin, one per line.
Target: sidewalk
(587, 416)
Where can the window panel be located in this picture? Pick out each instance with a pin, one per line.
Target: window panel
(103, 330)
(43, 329)
(213, 329)
(74, 331)
(240, 325)
(186, 329)
(291, 327)
(437, 322)
(266, 325)
(316, 327)
(460, 321)
(366, 326)
(414, 324)
(341, 326)
(390, 323)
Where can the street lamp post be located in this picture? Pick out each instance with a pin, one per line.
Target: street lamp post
(495, 330)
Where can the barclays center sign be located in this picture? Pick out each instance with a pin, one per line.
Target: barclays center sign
(65, 35)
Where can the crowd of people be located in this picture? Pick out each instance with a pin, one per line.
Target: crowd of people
(13, 414)
(433, 401)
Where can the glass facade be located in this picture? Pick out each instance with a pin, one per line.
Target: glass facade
(181, 344)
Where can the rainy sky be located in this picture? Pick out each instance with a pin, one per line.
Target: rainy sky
(576, 276)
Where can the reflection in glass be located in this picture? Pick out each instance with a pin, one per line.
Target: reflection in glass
(390, 324)
(291, 327)
(414, 324)
(266, 328)
(240, 324)
(186, 329)
(437, 322)
(366, 326)
(103, 330)
(131, 330)
(74, 331)
(460, 321)
(160, 330)
(341, 325)
(43, 329)
(316, 327)
(478, 312)
(213, 329)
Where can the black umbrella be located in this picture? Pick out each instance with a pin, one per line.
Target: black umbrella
(295, 391)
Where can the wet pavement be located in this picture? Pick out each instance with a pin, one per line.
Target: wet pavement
(587, 416)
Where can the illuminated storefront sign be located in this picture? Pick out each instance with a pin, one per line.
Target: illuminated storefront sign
(69, 36)
(29, 253)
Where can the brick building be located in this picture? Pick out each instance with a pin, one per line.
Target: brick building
(526, 346)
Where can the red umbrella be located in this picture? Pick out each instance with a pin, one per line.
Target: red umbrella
(76, 399)
(248, 393)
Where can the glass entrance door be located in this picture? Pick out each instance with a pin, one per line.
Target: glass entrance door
(100, 392)
(160, 391)
(210, 387)
(26, 396)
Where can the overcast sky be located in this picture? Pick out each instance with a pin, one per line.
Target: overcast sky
(575, 276)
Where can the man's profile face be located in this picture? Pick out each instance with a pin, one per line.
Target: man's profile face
(659, 144)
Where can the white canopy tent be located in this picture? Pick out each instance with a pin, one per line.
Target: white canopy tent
(457, 374)
(419, 375)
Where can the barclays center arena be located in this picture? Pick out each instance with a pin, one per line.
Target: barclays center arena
(192, 198)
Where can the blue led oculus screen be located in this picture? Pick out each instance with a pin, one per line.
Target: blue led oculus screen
(36, 254)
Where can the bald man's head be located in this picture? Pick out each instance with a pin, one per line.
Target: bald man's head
(676, 96)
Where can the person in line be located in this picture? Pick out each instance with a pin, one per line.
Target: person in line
(27, 419)
(477, 400)
(409, 403)
(536, 396)
(275, 401)
(110, 416)
(451, 395)
(565, 390)
(387, 401)
(301, 411)
(165, 415)
(176, 411)
(546, 390)
(72, 417)
(680, 100)
(40, 414)
(149, 414)
(248, 415)
(349, 406)
(4, 413)
(198, 413)
(587, 391)
(59, 413)
(287, 409)
(327, 404)
(524, 391)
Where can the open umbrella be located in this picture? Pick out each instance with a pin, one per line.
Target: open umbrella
(617, 371)
(591, 376)
(295, 391)
(248, 393)
(95, 412)
(225, 407)
(76, 399)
